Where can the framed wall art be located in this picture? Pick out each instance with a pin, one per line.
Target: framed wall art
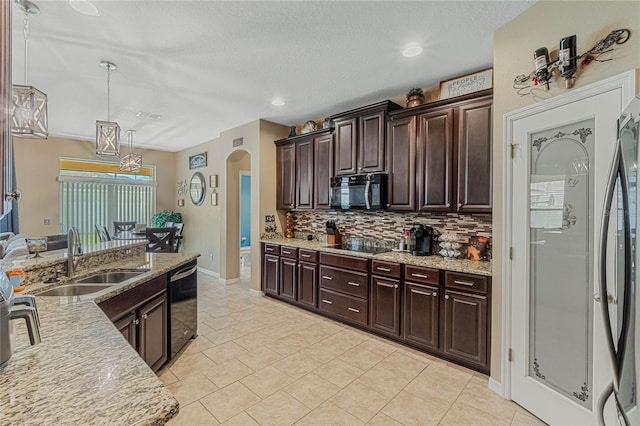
(197, 161)
(213, 181)
(465, 84)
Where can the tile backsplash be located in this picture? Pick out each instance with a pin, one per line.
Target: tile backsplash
(388, 225)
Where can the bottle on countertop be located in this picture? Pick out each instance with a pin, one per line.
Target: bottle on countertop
(16, 276)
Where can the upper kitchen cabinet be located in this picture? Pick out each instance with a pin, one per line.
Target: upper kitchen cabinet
(360, 139)
(301, 171)
(401, 165)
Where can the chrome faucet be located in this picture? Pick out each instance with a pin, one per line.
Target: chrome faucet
(74, 248)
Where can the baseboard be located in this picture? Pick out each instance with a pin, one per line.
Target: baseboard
(496, 387)
(255, 293)
(208, 272)
(229, 281)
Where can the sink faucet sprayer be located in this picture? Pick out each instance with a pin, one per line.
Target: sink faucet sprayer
(74, 248)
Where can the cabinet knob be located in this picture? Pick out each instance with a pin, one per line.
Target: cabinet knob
(448, 204)
(435, 294)
(446, 296)
(145, 316)
(459, 205)
(137, 321)
(395, 286)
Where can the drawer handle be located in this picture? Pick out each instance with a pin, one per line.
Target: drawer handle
(269, 249)
(353, 284)
(419, 275)
(380, 268)
(324, 277)
(305, 255)
(357, 311)
(467, 283)
(286, 252)
(446, 296)
(329, 302)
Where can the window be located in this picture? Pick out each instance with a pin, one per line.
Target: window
(98, 193)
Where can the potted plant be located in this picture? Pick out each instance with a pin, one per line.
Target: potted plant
(415, 97)
(161, 218)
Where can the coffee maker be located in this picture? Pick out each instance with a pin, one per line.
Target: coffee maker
(421, 239)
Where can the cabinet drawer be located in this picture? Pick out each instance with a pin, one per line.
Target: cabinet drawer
(349, 282)
(357, 263)
(124, 303)
(308, 255)
(272, 249)
(289, 252)
(466, 282)
(421, 275)
(388, 269)
(345, 306)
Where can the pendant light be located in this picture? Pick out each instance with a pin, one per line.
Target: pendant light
(131, 162)
(28, 104)
(108, 132)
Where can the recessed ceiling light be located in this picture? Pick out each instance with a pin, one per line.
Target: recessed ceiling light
(412, 50)
(84, 6)
(277, 102)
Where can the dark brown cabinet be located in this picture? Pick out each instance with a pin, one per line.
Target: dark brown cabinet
(288, 278)
(323, 171)
(385, 305)
(421, 313)
(140, 314)
(304, 175)
(465, 326)
(307, 292)
(271, 274)
(360, 139)
(286, 177)
(401, 154)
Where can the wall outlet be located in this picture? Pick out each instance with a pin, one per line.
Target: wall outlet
(47, 221)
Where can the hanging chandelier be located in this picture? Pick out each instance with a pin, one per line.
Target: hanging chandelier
(131, 162)
(28, 104)
(108, 132)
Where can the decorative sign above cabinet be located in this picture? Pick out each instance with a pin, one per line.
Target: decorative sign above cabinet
(465, 84)
(197, 161)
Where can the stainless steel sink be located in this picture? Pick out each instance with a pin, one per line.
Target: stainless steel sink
(74, 290)
(111, 277)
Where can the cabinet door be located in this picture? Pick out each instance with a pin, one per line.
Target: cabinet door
(401, 153)
(271, 274)
(435, 151)
(465, 327)
(323, 171)
(421, 315)
(288, 281)
(371, 143)
(304, 173)
(346, 134)
(128, 326)
(385, 305)
(474, 179)
(308, 284)
(152, 346)
(286, 177)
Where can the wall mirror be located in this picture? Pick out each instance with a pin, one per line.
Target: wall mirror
(197, 188)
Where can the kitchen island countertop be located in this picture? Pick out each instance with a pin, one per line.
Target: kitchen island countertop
(84, 371)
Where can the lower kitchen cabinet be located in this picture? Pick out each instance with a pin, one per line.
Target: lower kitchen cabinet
(288, 278)
(140, 314)
(271, 274)
(465, 326)
(421, 313)
(308, 284)
(385, 305)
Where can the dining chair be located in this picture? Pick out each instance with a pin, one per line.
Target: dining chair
(123, 226)
(103, 233)
(179, 227)
(161, 240)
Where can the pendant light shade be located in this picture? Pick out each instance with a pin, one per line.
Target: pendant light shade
(108, 132)
(28, 105)
(131, 162)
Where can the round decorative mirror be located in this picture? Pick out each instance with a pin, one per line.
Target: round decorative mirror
(197, 188)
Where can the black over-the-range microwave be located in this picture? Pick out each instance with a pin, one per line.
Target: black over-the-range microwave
(359, 192)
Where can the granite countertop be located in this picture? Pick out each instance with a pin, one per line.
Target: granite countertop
(437, 262)
(84, 371)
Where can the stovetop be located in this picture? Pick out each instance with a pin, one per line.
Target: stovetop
(363, 249)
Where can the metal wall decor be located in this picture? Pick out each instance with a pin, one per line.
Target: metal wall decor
(197, 161)
(197, 188)
(108, 132)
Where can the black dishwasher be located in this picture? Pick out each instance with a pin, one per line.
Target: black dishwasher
(183, 306)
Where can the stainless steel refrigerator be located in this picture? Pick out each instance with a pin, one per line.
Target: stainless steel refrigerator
(618, 292)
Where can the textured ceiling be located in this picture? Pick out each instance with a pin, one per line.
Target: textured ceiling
(208, 66)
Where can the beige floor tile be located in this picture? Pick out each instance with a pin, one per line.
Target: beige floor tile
(362, 358)
(197, 345)
(253, 341)
(411, 410)
(435, 388)
(220, 322)
(286, 346)
(191, 389)
(222, 336)
(329, 414)
(462, 414)
(193, 414)
(486, 400)
(322, 352)
(522, 419)
(297, 365)
(167, 376)
(229, 401)
(361, 401)
(279, 409)
(403, 366)
(339, 372)
(383, 381)
(259, 358)
(382, 419)
(378, 346)
(267, 381)
(312, 390)
(187, 366)
(446, 371)
(248, 327)
(242, 419)
(480, 379)
(224, 352)
(228, 372)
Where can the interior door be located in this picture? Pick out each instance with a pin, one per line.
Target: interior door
(560, 364)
